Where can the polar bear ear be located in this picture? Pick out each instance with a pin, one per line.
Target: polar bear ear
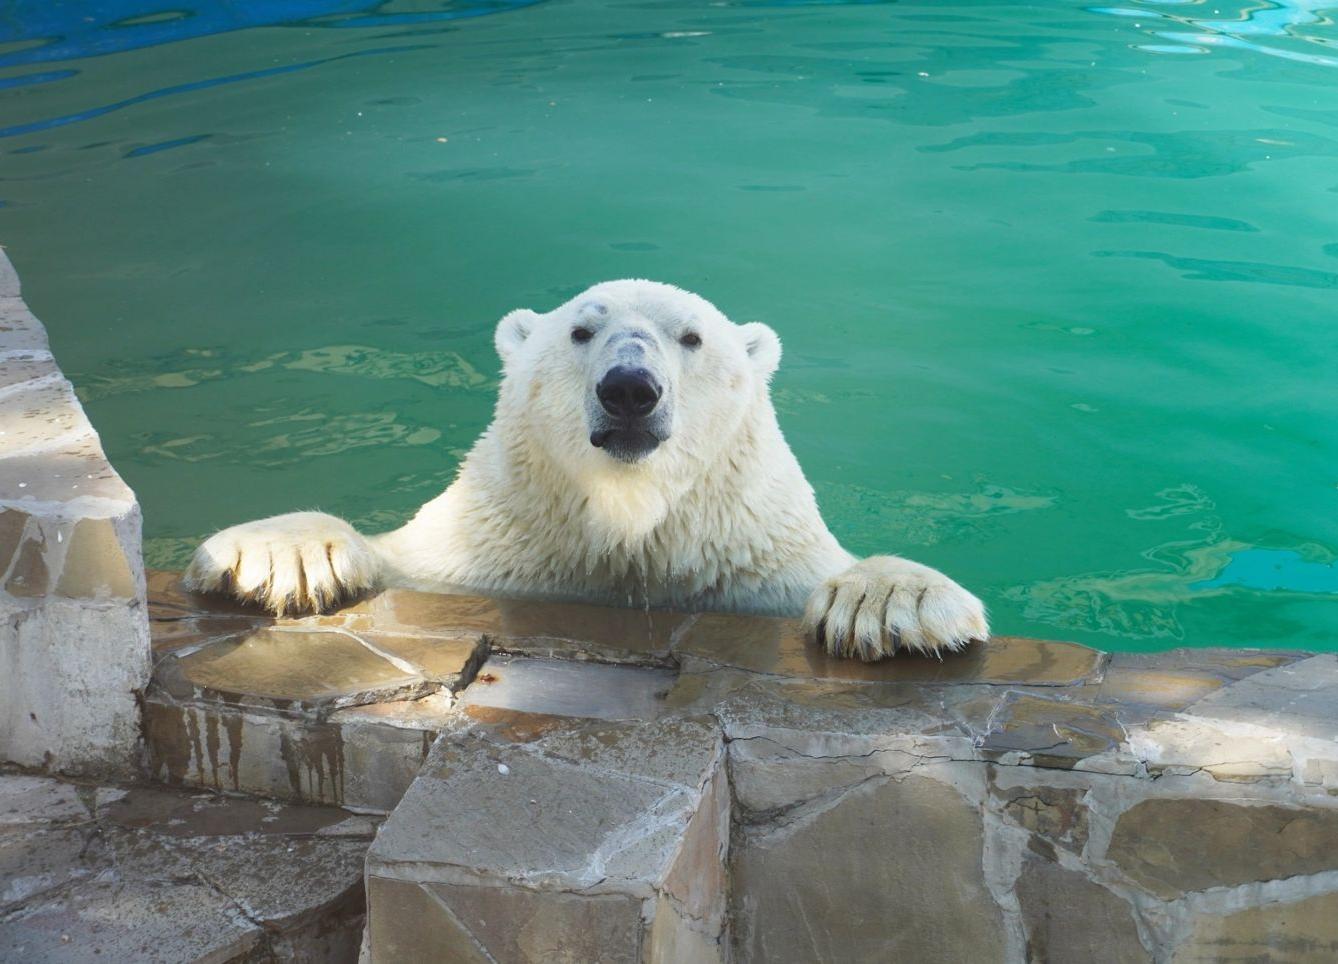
(763, 346)
(512, 331)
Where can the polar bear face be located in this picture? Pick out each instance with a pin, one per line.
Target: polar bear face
(632, 379)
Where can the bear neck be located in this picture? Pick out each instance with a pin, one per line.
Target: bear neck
(668, 541)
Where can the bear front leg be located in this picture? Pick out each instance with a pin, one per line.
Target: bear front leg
(302, 562)
(883, 603)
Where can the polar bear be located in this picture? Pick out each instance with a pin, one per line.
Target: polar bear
(634, 458)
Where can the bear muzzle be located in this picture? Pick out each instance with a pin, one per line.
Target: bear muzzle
(630, 422)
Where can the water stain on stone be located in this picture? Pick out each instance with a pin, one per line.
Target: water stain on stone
(515, 726)
(211, 742)
(311, 759)
(169, 748)
(193, 734)
(233, 724)
(29, 575)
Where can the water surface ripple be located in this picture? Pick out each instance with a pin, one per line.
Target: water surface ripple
(1056, 281)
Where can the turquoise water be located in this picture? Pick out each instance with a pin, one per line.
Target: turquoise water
(1057, 283)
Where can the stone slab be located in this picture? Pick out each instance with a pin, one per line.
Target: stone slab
(779, 647)
(1280, 932)
(573, 839)
(1070, 918)
(288, 668)
(1299, 699)
(908, 884)
(526, 627)
(570, 688)
(1175, 846)
(156, 875)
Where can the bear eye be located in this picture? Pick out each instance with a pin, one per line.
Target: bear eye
(581, 335)
(691, 340)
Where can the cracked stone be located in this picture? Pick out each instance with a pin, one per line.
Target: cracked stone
(148, 874)
(31, 800)
(279, 882)
(1298, 932)
(1191, 745)
(677, 939)
(536, 848)
(450, 660)
(543, 820)
(523, 626)
(546, 928)
(1050, 732)
(844, 718)
(909, 884)
(1177, 846)
(406, 921)
(41, 860)
(769, 777)
(1070, 918)
(151, 922)
(283, 667)
(1055, 814)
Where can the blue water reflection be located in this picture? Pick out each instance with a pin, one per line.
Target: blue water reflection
(41, 31)
(50, 122)
(1289, 29)
(1273, 570)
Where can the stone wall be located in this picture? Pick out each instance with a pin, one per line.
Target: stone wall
(74, 641)
(575, 783)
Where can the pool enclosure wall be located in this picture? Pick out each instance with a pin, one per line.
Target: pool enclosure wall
(564, 782)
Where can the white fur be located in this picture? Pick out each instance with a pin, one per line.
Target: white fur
(719, 516)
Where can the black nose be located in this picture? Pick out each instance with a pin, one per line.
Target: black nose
(628, 392)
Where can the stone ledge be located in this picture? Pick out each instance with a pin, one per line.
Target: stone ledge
(73, 632)
(1032, 800)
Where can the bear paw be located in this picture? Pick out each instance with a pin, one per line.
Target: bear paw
(883, 604)
(303, 562)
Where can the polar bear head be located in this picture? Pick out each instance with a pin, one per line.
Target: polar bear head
(634, 389)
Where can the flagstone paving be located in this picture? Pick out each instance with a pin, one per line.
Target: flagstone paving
(150, 874)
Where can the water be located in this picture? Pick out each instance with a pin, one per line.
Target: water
(1058, 284)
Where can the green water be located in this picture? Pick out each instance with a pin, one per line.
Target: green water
(1057, 284)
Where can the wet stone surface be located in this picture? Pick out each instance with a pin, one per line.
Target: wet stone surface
(668, 787)
(73, 636)
(148, 874)
(777, 646)
(576, 689)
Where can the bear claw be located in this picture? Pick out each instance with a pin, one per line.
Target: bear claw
(884, 604)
